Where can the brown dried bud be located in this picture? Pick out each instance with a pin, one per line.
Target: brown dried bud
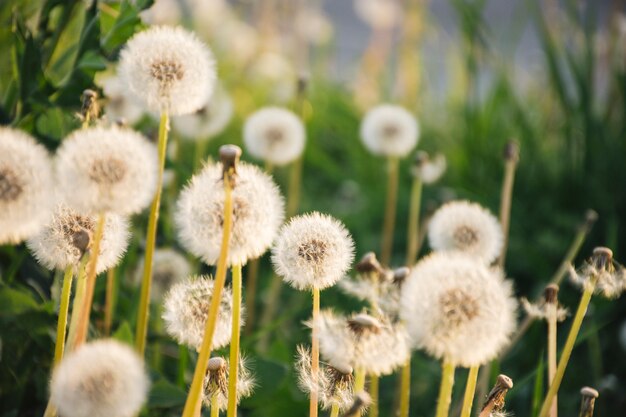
(81, 240)
(400, 274)
(89, 108)
(551, 293)
(216, 363)
(229, 156)
(511, 151)
(362, 323)
(602, 258)
(587, 404)
(368, 264)
(495, 399)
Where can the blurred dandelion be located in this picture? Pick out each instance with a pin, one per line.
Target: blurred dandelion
(208, 121)
(215, 390)
(170, 267)
(119, 105)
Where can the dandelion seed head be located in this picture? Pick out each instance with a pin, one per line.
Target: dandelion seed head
(100, 379)
(208, 121)
(312, 251)
(389, 130)
(168, 69)
(275, 135)
(119, 105)
(428, 169)
(258, 212)
(276, 74)
(26, 186)
(466, 227)
(168, 268)
(610, 276)
(216, 381)
(457, 308)
(186, 307)
(107, 170)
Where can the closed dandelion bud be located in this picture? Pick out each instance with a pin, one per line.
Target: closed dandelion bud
(26, 186)
(168, 69)
(609, 276)
(588, 402)
(466, 227)
(389, 130)
(428, 169)
(275, 135)
(168, 268)
(258, 212)
(494, 404)
(458, 309)
(312, 251)
(107, 170)
(511, 151)
(209, 120)
(100, 379)
(66, 238)
(216, 381)
(186, 307)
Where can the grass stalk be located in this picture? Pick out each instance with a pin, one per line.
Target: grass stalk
(445, 389)
(234, 342)
(552, 319)
(390, 212)
(413, 222)
(511, 159)
(63, 308)
(470, 390)
(405, 389)
(146, 282)
(315, 352)
(109, 301)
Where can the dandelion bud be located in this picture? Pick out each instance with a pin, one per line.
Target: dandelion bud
(588, 402)
(216, 382)
(511, 151)
(389, 130)
(362, 323)
(368, 264)
(551, 293)
(542, 310)
(229, 157)
(427, 169)
(362, 400)
(495, 398)
(89, 109)
(602, 258)
(602, 272)
(400, 275)
(591, 216)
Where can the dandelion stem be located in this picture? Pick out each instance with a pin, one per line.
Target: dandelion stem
(470, 389)
(295, 182)
(405, 389)
(445, 390)
(234, 343)
(85, 310)
(569, 346)
(109, 301)
(552, 351)
(63, 308)
(374, 385)
(359, 384)
(315, 352)
(414, 216)
(220, 277)
(334, 411)
(78, 300)
(215, 408)
(511, 157)
(390, 212)
(146, 282)
(251, 287)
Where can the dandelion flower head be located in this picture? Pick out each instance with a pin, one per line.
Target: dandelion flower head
(389, 130)
(216, 381)
(608, 275)
(119, 104)
(209, 120)
(168, 267)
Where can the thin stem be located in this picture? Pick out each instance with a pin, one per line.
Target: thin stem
(413, 223)
(569, 346)
(315, 352)
(405, 389)
(445, 390)
(215, 408)
(295, 183)
(552, 351)
(220, 277)
(374, 385)
(81, 284)
(234, 343)
(85, 311)
(251, 287)
(63, 308)
(183, 360)
(470, 389)
(109, 301)
(359, 383)
(390, 210)
(505, 204)
(271, 304)
(146, 282)
(334, 411)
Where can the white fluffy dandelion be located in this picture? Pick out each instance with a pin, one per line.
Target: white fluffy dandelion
(26, 186)
(100, 379)
(275, 135)
(64, 240)
(389, 130)
(466, 227)
(275, 74)
(458, 309)
(119, 105)
(379, 14)
(216, 381)
(168, 69)
(210, 120)
(107, 170)
(186, 307)
(313, 251)
(429, 169)
(258, 212)
(168, 268)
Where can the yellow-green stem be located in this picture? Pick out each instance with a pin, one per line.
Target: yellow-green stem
(334, 411)
(63, 308)
(109, 301)
(390, 210)
(220, 277)
(505, 204)
(373, 411)
(569, 346)
(470, 389)
(215, 409)
(234, 343)
(552, 319)
(153, 220)
(445, 389)
(315, 352)
(79, 297)
(295, 182)
(405, 389)
(414, 217)
(359, 383)
(251, 286)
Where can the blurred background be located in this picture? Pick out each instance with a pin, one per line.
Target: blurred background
(548, 74)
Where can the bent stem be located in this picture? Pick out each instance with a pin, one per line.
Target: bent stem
(552, 352)
(413, 223)
(390, 212)
(220, 277)
(569, 346)
(234, 343)
(405, 389)
(63, 308)
(146, 282)
(445, 389)
(470, 389)
(109, 301)
(315, 352)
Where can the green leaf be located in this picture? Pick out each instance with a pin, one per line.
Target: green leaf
(14, 302)
(165, 394)
(124, 333)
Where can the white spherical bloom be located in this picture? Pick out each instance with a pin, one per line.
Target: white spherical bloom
(458, 309)
(210, 120)
(258, 212)
(314, 26)
(389, 130)
(313, 251)
(168, 268)
(119, 105)
(276, 75)
(275, 135)
(62, 242)
(467, 227)
(428, 169)
(379, 14)
(107, 170)
(100, 379)
(168, 69)
(186, 307)
(26, 186)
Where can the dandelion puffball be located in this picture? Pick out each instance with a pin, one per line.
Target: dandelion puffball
(26, 186)
(258, 212)
(467, 227)
(107, 170)
(100, 379)
(216, 381)
(168, 268)
(168, 69)
(313, 251)
(210, 120)
(458, 309)
(186, 307)
(389, 130)
(62, 242)
(275, 135)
